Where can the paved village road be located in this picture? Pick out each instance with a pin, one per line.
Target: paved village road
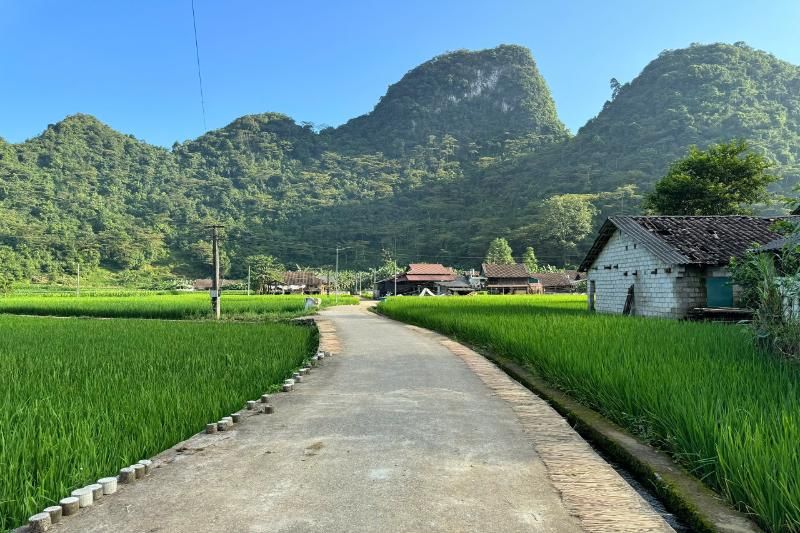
(396, 432)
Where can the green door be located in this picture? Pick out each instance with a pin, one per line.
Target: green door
(719, 292)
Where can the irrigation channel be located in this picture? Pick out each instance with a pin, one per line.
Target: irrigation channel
(649, 496)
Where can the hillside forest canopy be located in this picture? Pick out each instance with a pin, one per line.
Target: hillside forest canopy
(465, 148)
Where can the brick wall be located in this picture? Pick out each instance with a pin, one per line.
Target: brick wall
(669, 292)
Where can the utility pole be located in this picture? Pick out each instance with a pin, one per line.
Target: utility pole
(78, 288)
(248, 280)
(216, 291)
(336, 298)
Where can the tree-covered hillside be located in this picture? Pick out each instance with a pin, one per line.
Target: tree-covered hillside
(483, 100)
(699, 95)
(465, 148)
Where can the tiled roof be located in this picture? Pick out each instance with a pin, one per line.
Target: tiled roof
(505, 271)
(557, 279)
(205, 283)
(428, 269)
(309, 279)
(679, 240)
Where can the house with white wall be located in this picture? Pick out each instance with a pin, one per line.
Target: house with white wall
(665, 266)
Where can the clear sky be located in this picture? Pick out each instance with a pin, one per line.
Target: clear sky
(131, 63)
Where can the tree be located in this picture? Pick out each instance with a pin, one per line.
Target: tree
(722, 180)
(499, 253)
(266, 271)
(529, 258)
(567, 220)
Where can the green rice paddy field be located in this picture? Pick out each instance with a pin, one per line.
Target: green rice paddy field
(730, 413)
(81, 398)
(164, 306)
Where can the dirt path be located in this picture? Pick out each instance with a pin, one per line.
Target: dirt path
(398, 432)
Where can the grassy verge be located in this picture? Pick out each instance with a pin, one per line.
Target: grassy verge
(164, 306)
(81, 398)
(728, 412)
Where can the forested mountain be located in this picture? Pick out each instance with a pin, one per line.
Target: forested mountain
(464, 148)
(481, 100)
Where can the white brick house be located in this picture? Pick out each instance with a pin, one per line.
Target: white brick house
(666, 266)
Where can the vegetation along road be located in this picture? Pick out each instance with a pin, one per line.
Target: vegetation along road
(728, 412)
(397, 432)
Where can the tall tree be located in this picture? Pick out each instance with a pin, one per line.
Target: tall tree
(567, 220)
(266, 271)
(725, 179)
(499, 253)
(529, 259)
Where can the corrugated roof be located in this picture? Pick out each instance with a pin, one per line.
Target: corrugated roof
(517, 270)
(428, 269)
(430, 277)
(679, 240)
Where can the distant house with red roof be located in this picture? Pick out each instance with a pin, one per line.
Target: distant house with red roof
(416, 278)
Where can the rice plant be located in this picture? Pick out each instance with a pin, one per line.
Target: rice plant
(704, 392)
(81, 398)
(164, 306)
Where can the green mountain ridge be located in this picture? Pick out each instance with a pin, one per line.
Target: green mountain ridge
(462, 149)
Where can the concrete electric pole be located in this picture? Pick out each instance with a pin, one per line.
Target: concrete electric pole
(216, 290)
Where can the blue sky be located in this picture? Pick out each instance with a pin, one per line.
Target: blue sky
(132, 64)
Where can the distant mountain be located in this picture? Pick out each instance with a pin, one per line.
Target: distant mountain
(462, 149)
(481, 99)
(694, 96)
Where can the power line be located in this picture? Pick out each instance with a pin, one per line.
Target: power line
(199, 75)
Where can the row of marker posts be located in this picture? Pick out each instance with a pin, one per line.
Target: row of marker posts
(86, 496)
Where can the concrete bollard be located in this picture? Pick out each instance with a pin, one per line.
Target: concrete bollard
(304, 371)
(237, 417)
(222, 425)
(127, 475)
(251, 404)
(269, 409)
(109, 485)
(97, 490)
(296, 377)
(320, 354)
(39, 522)
(69, 505)
(84, 496)
(55, 513)
(211, 428)
(138, 470)
(288, 385)
(148, 465)
(265, 398)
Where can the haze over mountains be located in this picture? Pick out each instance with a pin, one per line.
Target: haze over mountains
(461, 150)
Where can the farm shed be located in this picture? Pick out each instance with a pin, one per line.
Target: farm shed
(204, 284)
(300, 282)
(506, 279)
(668, 265)
(458, 286)
(555, 282)
(418, 276)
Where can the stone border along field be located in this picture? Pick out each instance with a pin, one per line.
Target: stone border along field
(681, 493)
(84, 498)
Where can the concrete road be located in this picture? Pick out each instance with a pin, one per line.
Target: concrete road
(394, 433)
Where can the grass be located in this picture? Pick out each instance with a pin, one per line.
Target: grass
(727, 411)
(164, 306)
(80, 399)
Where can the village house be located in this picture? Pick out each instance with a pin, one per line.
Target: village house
(506, 279)
(667, 266)
(416, 278)
(300, 282)
(566, 281)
